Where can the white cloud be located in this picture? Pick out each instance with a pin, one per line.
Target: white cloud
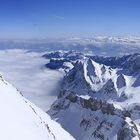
(25, 71)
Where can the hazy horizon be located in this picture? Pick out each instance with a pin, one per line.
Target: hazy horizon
(58, 19)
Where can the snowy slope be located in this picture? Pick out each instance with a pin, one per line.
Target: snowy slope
(21, 120)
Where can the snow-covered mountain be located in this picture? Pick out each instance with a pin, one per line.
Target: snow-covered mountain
(100, 99)
(22, 120)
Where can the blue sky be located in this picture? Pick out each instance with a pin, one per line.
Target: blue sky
(64, 18)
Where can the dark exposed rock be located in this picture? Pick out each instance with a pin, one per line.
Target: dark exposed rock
(98, 135)
(55, 54)
(91, 103)
(85, 124)
(103, 69)
(72, 97)
(108, 88)
(132, 64)
(123, 134)
(57, 64)
(126, 113)
(108, 108)
(121, 81)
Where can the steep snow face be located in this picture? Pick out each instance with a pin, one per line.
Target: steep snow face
(21, 120)
(88, 73)
(96, 80)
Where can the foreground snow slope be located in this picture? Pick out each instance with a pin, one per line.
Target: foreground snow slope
(21, 120)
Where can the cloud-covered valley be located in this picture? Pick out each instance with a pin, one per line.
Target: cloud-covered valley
(26, 71)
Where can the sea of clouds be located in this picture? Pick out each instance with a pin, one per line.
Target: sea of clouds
(22, 64)
(25, 70)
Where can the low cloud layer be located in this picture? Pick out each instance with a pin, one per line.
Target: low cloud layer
(26, 72)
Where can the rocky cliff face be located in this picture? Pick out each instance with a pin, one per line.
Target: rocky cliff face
(88, 119)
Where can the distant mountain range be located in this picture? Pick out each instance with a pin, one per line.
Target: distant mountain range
(98, 45)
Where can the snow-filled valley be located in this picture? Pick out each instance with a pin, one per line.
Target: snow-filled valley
(80, 89)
